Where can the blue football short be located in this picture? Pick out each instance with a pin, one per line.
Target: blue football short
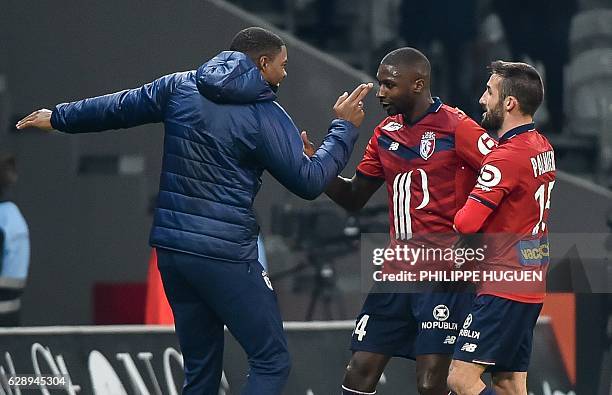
(410, 324)
(498, 333)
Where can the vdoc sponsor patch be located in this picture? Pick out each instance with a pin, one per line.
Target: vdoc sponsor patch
(533, 252)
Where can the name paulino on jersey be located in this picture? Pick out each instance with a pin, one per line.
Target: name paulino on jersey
(543, 163)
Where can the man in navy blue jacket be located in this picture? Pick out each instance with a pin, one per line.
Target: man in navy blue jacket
(223, 129)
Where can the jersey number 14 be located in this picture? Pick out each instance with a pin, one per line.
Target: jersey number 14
(361, 326)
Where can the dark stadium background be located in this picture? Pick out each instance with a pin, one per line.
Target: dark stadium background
(87, 198)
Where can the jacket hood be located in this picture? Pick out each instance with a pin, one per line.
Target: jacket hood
(232, 78)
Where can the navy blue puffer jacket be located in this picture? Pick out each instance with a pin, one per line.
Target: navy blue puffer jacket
(223, 129)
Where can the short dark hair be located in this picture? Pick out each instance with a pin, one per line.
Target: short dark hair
(408, 56)
(257, 42)
(522, 81)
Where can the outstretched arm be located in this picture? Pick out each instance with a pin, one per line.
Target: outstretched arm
(114, 111)
(40, 119)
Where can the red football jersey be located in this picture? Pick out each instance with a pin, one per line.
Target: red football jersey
(429, 168)
(516, 180)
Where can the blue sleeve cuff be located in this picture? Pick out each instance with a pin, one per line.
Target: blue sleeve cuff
(55, 124)
(348, 126)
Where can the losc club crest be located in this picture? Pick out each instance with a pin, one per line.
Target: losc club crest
(428, 144)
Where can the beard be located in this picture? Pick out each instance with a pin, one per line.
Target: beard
(493, 119)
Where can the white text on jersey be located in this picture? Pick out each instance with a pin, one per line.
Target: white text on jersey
(543, 163)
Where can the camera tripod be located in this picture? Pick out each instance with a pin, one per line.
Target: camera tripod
(324, 290)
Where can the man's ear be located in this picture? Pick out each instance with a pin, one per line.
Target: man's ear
(419, 85)
(263, 62)
(510, 103)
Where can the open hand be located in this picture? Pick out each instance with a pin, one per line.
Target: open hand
(40, 119)
(350, 107)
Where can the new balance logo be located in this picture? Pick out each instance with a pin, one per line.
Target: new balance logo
(394, 146)
(450, 340)
(469, 347)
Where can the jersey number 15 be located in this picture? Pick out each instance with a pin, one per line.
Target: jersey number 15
(542, 196)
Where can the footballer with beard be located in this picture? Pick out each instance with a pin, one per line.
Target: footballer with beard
(509, 205)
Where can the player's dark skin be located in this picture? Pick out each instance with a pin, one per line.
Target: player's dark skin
(403, 90)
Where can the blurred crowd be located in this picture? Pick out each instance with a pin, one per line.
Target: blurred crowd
(569, 41)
